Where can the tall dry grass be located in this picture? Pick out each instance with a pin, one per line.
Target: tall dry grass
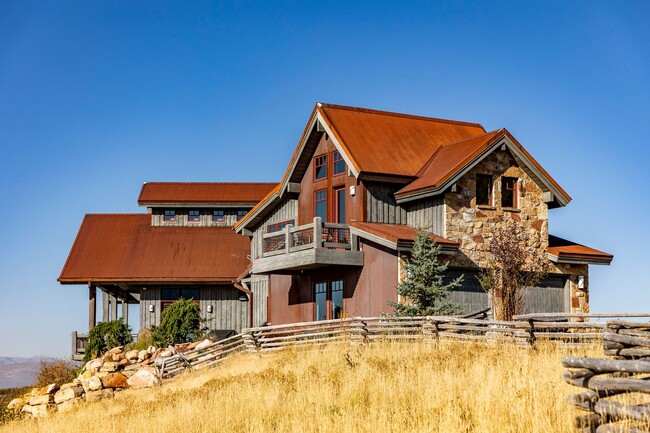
(449, 387)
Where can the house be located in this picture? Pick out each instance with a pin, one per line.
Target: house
(184, 246)
(331, 238)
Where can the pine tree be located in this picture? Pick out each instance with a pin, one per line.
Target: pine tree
(423, 287)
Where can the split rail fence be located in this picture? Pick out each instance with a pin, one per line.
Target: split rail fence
(525, 332)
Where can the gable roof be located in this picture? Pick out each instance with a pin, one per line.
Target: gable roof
(126, 248)
(203, 192)
(395, 235)
(565, 251)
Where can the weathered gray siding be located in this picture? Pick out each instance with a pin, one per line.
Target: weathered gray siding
(149, 296)
(260, 288)
(470, 296)
(381, 206)
(287, 210)
(205, 218)
(228, 311)
(427, 214)
(550, 296)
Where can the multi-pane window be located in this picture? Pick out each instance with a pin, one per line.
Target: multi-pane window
(193, 215)
(509, 192)
(218, 216)
(328, 300)
(320, 204)
(337, 299)
(241, 213)
(320, 167)
(169, 295)
(484, 189)
(170, 215)
(320, 300)
(272, 228)
(339, 164)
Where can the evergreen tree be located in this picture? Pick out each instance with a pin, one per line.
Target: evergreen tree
(180, 321)
(422, 290)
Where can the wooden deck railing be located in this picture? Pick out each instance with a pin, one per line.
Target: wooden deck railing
(358, 330)
(313, 235)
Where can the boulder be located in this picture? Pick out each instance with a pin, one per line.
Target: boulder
(132, 355)
(170, 351)
(92, 384)
(95, 364)
(41, 399)
(115, 380)
(102, 374)
(99, 394)
(124, 362)
(203, 344)
(144, 378)
(69, 404)
(42, 410)
(132, 367)
(49, 389)
(192, 346)
(118, 349)
(129, 373)
(143, 354)
(68, 393)
(17, 404)
(109, 367)
(117, 357)
(26, 409)
(151, 350)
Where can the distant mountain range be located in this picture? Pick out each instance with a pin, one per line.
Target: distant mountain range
(19, 371)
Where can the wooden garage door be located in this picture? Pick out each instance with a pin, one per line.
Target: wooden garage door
(470, 296)
(548, 297)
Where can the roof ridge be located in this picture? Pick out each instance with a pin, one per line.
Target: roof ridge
(213, 183)
(495, 132)
(395, 114)
(116, 214)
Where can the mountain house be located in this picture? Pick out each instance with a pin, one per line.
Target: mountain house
(331, 238)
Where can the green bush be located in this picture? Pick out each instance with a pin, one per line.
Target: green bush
(59, 371)
(145, 339)
(106, 335)
(179, 321)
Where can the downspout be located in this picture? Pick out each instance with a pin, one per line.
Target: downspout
(250, 301)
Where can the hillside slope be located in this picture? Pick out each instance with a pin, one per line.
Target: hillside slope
(450, 387)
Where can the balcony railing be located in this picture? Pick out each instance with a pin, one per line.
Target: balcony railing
(307, 246)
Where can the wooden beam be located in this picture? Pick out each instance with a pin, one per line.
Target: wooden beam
(92, 306)
(293, 187)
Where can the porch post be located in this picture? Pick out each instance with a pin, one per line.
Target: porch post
(92, 306)
(318, 232)
(113, 307)
(104, 306)
(125, 311)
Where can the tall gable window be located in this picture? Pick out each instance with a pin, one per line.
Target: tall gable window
(509, 192)
(320, 167)
(484, 189)
(218, 216)
(193, 216)
(170, 215)
(339, 163)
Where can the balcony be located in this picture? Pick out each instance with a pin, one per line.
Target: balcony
(307, 247)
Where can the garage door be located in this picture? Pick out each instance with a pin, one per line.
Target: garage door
(548, 297)
(470, 296)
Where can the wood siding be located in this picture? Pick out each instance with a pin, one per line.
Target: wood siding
(229, 313)
(205, 217)
(149, 296)
(381, 206)
(260, 288)
(427, 214)
(287, 210)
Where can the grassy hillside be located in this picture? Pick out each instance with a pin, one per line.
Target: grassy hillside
(451, 387)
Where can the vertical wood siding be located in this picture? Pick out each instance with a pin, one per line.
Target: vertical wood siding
(287, 210)
(381, 206)
(228, 311)
(149, 296)
(260, 288)
(205, 218)
(428, 214)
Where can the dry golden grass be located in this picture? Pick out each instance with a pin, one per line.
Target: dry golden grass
(450, 387)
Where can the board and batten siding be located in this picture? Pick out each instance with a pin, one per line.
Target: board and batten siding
(381, 206)
(149, 296)
(205, 218)
(228, 312)
(428, 214)
(287, 210)
(260, 288)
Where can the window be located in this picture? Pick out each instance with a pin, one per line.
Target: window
(193, 215)
(169, 295)
(484, 189)
(328, 300)
(241, 213)
(218, 216)
(320, 167)
(339, 164)
(272, 228)
(170, 215)
(509, 192)
(320, 204)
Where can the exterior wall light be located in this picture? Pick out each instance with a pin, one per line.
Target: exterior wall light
(581, 281)
(209, 308)
(353, 190)
(151, 309)
(243, 297)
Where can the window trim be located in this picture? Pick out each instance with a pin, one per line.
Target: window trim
(189, 216)
(334, 161)
(515, 191)
(173, 215)
(316, 166)
(220, 219)
(490, 190)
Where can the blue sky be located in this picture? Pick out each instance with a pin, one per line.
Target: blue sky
(96, 99)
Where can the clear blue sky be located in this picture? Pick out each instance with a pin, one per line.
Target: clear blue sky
(95, 99)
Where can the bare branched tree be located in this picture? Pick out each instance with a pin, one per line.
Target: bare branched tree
(517, 262)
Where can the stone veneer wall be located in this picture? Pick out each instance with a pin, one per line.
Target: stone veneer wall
(474, 225)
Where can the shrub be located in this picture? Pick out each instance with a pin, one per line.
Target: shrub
(145, 339)
(59, 371)
(179, 321)
(105, 336)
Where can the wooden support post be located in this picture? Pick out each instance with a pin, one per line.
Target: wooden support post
(353, 242)
(287, 238)
(74, 343)
(113, 299)
(125, 311)
(92, 306)
(104, 306)
(318, 232)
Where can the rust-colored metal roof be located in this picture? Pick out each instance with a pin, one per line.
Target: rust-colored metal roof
(382, 142)
(562, 249)
(126, 248)
(399, 234)
(204, 192)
